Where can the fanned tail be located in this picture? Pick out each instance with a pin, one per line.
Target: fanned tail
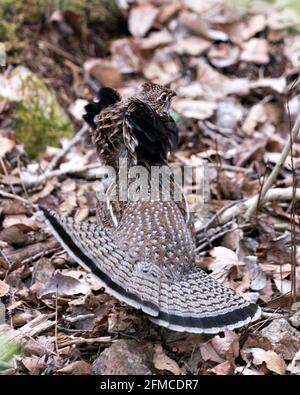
(193, 302)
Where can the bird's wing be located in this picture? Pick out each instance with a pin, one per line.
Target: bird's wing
(155, 135)
(106, 97)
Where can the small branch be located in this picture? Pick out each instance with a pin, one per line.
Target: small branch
(273, 195)
(273, 175)
(11, 196)
(65, 150)
(33, 181)
(81, 341)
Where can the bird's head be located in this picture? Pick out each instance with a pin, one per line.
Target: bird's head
(157, 96)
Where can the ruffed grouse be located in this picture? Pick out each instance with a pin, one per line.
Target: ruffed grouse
(148, 260)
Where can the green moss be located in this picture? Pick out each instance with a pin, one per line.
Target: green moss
(10, 348)
(40, 120)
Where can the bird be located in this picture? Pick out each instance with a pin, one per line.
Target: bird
(149, 263)
(139, 129)
(140, 125)
(148, 259)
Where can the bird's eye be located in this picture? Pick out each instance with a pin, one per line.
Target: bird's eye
(163, 97)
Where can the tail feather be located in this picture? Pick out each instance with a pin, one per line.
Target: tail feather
(192, 301)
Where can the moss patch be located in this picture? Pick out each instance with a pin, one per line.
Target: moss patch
(10, 348)
(40, 120)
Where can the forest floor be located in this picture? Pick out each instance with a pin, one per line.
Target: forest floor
(236, 104)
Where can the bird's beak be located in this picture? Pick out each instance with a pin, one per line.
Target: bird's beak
(172, 94)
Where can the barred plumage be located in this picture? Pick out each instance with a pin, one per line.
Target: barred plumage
(148, 262)
(148, 259)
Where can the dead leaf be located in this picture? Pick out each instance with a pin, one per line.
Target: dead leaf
(104, 71)
(19, 219)
(126, 55)
(202, 27)
(219, 349)
(64, 285)
(162, 362)
(254, 25)
(277, 85)
(284, 338)
(4, 289)
(273, 361)
(35, 365)
(196, 109)
(224, 259)
(155, 40)
(223, 55)
(168, 11)
(6, 145)
(191, 45)
(257, 115)
(294, 366)
(141, 19)
(255, 51)
(76, 368)
(223, 369)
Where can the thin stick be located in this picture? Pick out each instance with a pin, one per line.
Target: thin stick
(11, 196)
(64, 151)
(233, 211)
(274, 173)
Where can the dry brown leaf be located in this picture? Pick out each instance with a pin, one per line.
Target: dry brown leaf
(228, 345)
(255, 51)
(141, 19)
(200, 7)
(214, 84)
(292, 50)
(294, 366)
(19, 219)
(257, 115)
(273, 361)
(64, 285)
(6, 145)
(223, 369)
(163, 66)
(191, 45)
(76, 368)
(201, 26)
(284, 338)
(196, 109)
(126, 55)
(168, 11)
(193, 90)
(254, 25)
(162, 362)
(224, 259)
(223, 55)
(104, 71)
(155, 40)
(35, 365)
(4, 289)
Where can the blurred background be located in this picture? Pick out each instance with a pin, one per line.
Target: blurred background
(237, 55)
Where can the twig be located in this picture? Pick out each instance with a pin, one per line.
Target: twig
(81, 340)
(273, 195)
(6, 173)
(11, 196)
(64, 151)
(34, 181)
(274, 173)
